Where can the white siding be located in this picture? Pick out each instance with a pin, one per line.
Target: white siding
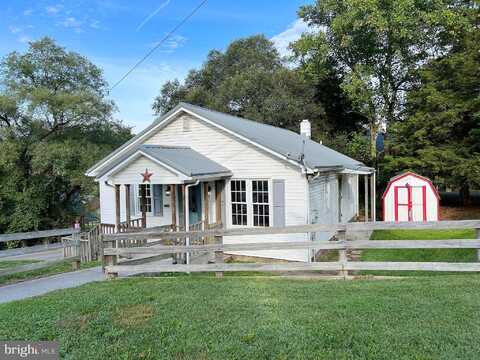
(132, 173)
(246, 162)
(324, 202)
(349, 196)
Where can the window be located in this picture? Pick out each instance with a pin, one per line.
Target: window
(148, 197)
(250, 202)
(261, 208)
(239, 202)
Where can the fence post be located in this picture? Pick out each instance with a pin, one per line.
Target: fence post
(76, 240)
(219, 256)
(342, 254)
(109, 260)
(477, 233)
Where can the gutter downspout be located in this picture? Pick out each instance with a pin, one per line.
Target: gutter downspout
(187, 219)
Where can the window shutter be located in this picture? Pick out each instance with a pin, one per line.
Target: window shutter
(157, 200)
(133, 199)
(278, 203)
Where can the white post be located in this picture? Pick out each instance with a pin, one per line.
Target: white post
(366, 197)
(187, 222)
(374, 197)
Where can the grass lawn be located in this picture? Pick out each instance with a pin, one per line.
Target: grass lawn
(6, 264)
(57, 268)
(255, 318)
(420, 255)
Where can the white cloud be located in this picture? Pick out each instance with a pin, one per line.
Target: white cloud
(24, 39)
(293, 32)
(151, 15)
(15, 29)
(71, 22)
(95, 24)
(27, 12)
(53, 9)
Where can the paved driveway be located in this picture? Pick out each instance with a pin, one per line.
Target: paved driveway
(44, 285)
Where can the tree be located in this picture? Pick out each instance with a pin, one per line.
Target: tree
(441, 135)
(377, 47)
(248, 80)
(55, 122)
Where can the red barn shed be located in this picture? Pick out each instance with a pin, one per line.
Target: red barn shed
(410, 197)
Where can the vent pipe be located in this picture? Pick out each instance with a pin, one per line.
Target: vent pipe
(306, 128)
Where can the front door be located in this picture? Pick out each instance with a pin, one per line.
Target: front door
(195, 204)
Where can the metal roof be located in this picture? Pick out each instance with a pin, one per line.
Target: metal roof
(281, 141)
(181, 158)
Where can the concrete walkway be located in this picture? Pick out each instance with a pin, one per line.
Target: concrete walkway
(44, 285)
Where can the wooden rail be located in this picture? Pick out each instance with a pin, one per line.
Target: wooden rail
(37, 234)
(341, 242)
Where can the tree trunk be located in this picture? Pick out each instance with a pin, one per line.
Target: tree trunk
(465, 195)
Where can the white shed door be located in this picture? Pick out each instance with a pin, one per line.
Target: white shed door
(410, 203)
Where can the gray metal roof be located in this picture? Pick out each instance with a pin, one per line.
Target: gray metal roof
(183, 159)
(278, 140)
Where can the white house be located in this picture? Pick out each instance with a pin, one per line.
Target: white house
(195, 165)
(410, 197)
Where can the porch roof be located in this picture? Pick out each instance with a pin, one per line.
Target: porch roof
(183, 159)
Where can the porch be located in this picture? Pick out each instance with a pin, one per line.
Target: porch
(171, 187)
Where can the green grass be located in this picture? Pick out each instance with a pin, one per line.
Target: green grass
(255, 318)
(6, 264)
(57, 268)
(419, 255)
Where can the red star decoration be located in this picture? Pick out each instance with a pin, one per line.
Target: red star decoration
(146, 175)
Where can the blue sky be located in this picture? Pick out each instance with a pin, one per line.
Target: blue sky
(116, 34)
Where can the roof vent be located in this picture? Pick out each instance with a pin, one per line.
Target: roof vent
(306, 128)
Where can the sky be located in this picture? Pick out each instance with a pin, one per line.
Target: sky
(115, 34)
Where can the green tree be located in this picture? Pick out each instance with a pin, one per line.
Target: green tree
(249, 80)
(377, 47)
(55, 122)
(441, 136)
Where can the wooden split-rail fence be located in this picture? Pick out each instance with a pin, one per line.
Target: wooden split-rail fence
(155, 242)
(70, 249)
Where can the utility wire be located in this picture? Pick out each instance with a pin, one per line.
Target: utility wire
(184, 20)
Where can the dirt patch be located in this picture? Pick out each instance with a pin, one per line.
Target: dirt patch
(134, 315)
(459, 212)
(252, 259)
(78, 323)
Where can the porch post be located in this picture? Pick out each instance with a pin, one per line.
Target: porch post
(206, 203)
(173, 205)
(373, 196)
(117, 208)
(127, 204)
(366, 197)
(218, 201)
(143, 203)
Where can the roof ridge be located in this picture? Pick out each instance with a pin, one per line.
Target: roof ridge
(165, 146)
(239, 117)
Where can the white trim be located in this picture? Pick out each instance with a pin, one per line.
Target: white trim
(92, 172)
(139, 153)
(102, 163)
(249, 202)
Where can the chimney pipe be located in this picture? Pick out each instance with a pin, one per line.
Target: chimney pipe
(306, 129)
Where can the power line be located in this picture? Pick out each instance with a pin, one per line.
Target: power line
(170, 33)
